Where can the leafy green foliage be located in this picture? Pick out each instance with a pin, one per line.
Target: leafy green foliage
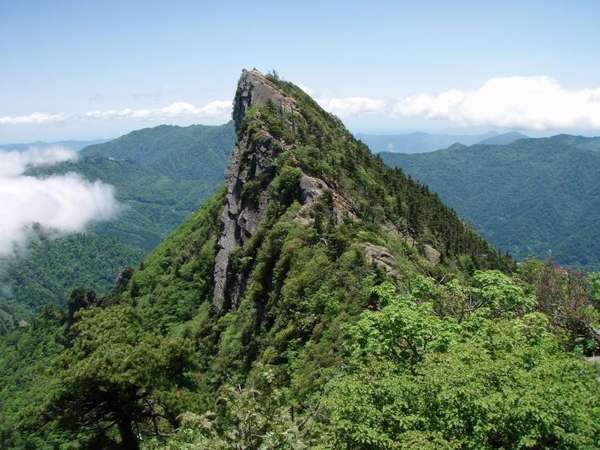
(483, 383)
(116, 371)
(52, 268)
(25, 355)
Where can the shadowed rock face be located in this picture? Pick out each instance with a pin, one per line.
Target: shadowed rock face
(249, 160)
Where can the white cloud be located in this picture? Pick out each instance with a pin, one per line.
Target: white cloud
(57, 204)
(214, 110)
(349, 106)
(33, 119)
(16, 163)
(529, 103)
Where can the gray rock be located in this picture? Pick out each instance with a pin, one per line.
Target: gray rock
(250, 160)
(381, 257)
(432, 255)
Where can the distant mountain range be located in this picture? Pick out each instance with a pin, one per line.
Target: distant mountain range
(74, 145)
(426, 142)
(536, 197)
(161, 175)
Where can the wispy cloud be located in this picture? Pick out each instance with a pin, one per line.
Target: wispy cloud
(528, 103)
(33, 119)
(215, 110)
(57, 205)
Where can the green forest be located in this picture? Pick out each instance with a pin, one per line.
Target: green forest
(161, 175)
(359, 312)
(532, 198)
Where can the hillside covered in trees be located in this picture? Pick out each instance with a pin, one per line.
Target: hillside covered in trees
(318, 300)
(534, 197)
(161, 175)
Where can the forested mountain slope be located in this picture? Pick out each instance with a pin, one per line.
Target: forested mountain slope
(161, 175)
(319, 300)
(534, 197)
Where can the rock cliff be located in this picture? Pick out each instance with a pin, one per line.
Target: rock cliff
(251, 159)
(254, 159)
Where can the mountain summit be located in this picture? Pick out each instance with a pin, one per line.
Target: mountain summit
(253, 158)
(281, 130)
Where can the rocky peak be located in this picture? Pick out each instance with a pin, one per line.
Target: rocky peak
(252, 159)
(256, 89)
(253, 163)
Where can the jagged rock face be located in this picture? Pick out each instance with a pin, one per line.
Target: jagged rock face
(255, 160)
(249, 161)
(312, 188)
(255, 89)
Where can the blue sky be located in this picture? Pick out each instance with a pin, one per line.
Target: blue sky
(99, 69)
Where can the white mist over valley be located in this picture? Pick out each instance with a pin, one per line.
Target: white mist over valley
(56, 205)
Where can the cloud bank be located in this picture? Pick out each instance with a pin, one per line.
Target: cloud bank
(215, 110)
(527, 103)
(56, 205)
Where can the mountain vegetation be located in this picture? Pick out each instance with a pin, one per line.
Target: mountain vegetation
(319, 300)
(427, 142)
(161, 175)
(534, 197)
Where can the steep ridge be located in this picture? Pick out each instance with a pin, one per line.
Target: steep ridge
(253, 166)
(249, 161)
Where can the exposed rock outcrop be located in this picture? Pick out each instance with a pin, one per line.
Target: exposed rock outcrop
(381, 257)
(313, 188)
(253, 164)
(432, 255)
(250, 160)
(256, 89)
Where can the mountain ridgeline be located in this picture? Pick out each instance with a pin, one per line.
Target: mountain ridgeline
(286, 143)
(532, 198)
(318, 300)
(426, 142)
